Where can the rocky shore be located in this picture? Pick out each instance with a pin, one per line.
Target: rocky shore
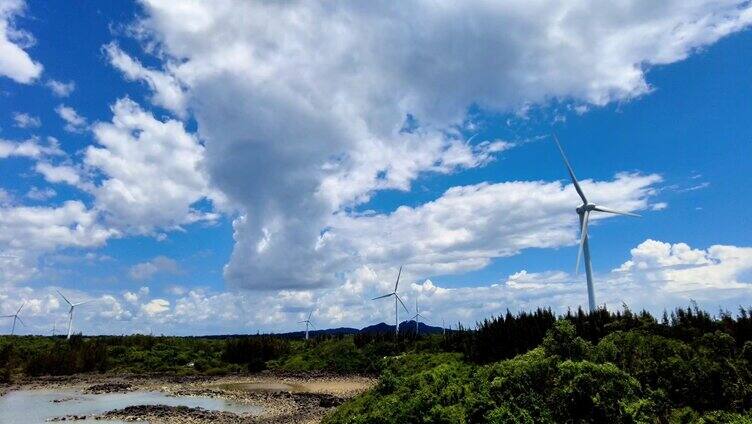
(283, 398)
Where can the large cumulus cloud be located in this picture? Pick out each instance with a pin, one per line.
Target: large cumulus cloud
(303, 105)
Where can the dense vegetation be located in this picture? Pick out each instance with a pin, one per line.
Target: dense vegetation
(621, 368)
(531, 367)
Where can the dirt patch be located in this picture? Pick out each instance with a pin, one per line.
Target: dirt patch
(343, 386)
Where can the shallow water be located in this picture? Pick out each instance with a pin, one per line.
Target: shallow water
(36, 406)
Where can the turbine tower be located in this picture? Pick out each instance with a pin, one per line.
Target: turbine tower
(396, 305)
(307, 322)
(416, 316)
(15, 318)
(70, 312)
(583, 211)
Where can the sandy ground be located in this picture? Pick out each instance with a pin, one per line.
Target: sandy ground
(284, 399)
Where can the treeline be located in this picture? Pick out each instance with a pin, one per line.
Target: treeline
(506, 336)
(494, 339)
(138, 354)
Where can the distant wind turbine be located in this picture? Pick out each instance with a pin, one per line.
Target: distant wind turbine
(396, 305)
(307, 323)
(70, 312)
(584, 213)
(15, 318)
(416, 317)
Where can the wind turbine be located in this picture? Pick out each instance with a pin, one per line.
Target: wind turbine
(15, 318)
(416, 316)
(396, 305)
(583, 211)
(70, 312)
(307, 322)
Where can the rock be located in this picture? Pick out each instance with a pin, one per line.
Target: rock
(97, 389)
(68, 418)
(164, 413)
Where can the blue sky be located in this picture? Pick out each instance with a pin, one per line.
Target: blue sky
(201, 170)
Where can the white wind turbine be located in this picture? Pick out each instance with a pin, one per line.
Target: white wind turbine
(584, 211)
(70, 312)
(396, 305)
(15, 318)
(416, 317)
(307, 323)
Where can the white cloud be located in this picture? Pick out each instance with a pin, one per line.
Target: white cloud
(30, 148)
(156, 307)
(15, 62)
(160, 264)
(152, 171)
(5, 197)
(462, 230)
(659, 206)
(30, 232)
(686, 270)
(669, 280)
(24, 120)
(47, 228)
(59, 88)
(695, 187)
(166, 88)
(73, 121)
(111, 309)
(130, 297)
(60, 173)
(305, 118)
(144, 174)
(41, 194)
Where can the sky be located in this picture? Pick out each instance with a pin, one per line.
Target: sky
(227, 167)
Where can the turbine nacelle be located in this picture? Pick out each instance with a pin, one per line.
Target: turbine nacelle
(585, 208)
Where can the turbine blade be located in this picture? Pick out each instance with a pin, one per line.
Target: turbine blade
(381, 297)
(309, 315)
(64, 298)
(608, 210)
(312, 326)
(398, 277)
(583, 236)
(21, 321)
(7, 316)
(84, 302)
(19, 309)
(301, 322)
(571, 172)
(403, 303)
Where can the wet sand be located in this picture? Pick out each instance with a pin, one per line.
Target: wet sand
(284, 398)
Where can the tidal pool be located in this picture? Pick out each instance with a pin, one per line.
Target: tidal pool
(38, 406)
